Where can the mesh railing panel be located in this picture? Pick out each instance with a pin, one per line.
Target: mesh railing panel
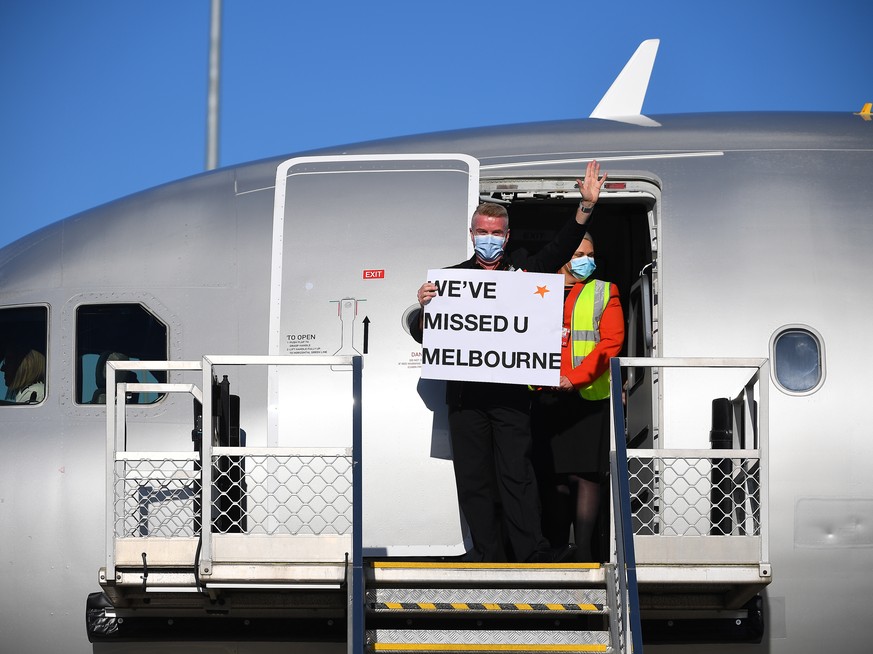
(156, 497)
(267, 494)
(295, 495)
(695, 496)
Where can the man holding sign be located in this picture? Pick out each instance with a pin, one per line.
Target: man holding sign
(489, 422)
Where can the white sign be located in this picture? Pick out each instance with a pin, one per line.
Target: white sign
(494, 326)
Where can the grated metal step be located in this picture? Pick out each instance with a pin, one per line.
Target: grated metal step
(425, 573)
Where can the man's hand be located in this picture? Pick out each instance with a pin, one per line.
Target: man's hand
(426, 293)
(590, 185)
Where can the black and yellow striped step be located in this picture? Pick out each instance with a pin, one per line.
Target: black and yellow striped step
(486, 600)
(483, 607)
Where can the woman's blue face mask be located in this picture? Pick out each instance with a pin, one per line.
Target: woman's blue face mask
(582, 267)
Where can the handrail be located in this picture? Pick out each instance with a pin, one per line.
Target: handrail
(355, 640)
(209, 362)
(751, 418)
(625, 555)
(115, 425)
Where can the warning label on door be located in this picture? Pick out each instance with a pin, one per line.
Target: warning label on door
(303, 343)
(414, 360)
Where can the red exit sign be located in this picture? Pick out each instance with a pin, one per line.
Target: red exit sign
(374, 274)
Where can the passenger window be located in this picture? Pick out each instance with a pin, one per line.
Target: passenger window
(117, 332)
(797, 355)
(23, 347)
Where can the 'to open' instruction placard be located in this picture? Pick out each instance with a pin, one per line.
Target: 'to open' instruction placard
(494, 326)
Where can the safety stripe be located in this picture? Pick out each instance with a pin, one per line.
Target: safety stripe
(474, 647)
(475, 606)
(446, 565)
(599, 288)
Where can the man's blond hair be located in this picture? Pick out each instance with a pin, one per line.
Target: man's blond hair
(491, 209)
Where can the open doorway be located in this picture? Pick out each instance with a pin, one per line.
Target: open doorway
(625, 235)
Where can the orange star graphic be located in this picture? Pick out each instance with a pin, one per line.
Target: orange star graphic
(541, 291)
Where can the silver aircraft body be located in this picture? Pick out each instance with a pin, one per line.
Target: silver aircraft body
(749, 226)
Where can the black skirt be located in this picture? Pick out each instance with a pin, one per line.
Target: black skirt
(570, 434)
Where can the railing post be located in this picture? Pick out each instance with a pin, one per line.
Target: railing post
(763, 445)
(111, 447)
(205, 562)
(355, 636)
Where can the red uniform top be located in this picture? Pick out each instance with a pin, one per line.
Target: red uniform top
(611, 339)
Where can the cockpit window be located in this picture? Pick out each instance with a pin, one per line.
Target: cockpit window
(23, 347)
(797, 355)
(117, 332)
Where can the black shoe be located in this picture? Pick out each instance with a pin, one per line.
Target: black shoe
(553, 555)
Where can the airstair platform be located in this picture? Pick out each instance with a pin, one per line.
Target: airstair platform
(269, 541)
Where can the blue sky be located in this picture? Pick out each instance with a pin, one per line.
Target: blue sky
(102, 98)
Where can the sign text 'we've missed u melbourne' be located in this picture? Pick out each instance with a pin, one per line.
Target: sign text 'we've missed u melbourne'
(493, 326)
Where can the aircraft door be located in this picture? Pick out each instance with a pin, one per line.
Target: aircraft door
(353, 238)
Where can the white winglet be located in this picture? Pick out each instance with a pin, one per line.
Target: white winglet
(623, 101)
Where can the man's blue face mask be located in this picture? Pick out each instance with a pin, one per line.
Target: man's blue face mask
(582, 267)
(488, 247)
